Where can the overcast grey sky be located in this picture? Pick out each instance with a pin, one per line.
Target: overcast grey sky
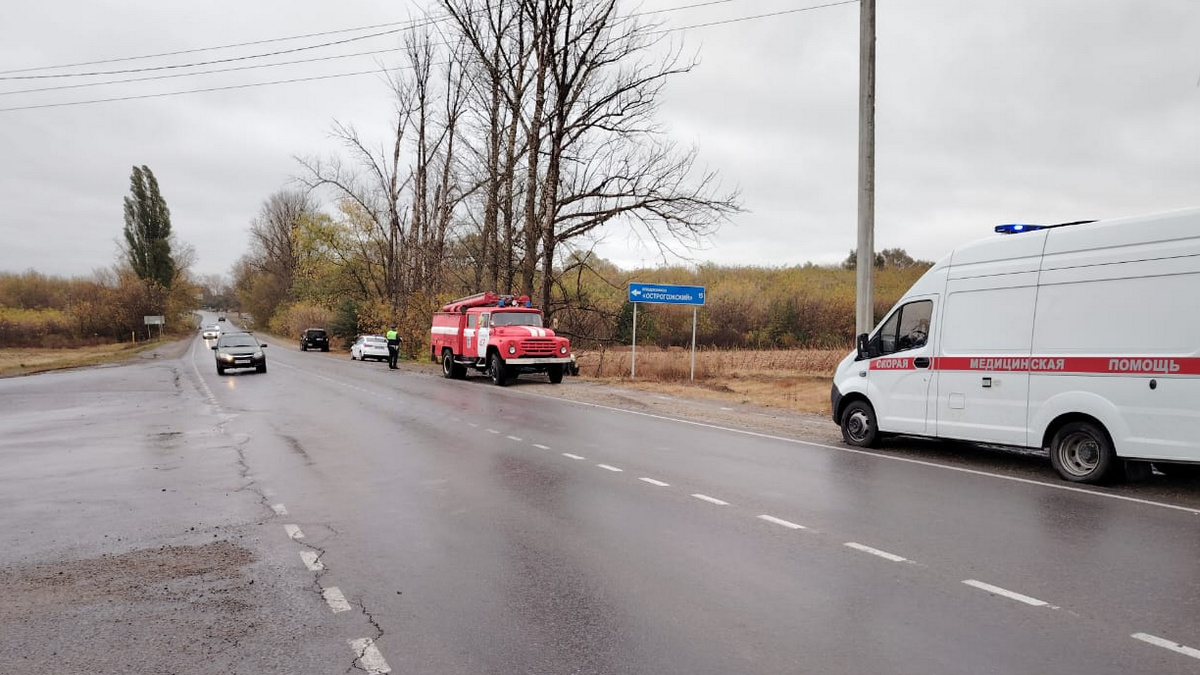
(988, 112)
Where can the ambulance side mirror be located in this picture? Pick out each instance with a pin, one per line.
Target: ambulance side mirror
(864, 346)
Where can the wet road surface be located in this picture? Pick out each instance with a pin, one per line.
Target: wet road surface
(391, 520)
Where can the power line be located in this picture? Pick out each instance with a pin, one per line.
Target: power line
(280, 63)
(376, 71)
(192, 91)
(208, 49)
(208, 63)
(406, 25)
(201, 72)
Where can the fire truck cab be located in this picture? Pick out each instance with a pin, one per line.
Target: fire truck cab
(500, 335)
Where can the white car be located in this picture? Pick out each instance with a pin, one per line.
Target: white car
(369, 347)
(211, 333)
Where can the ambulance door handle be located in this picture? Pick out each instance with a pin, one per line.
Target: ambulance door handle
(921, 362)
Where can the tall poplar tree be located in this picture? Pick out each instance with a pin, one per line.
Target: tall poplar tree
(148, 229)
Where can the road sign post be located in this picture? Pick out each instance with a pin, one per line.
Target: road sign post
(155, 321)
(664, 294)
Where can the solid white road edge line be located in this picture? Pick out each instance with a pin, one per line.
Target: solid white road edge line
(606, 467)
(337, 601)
(874, 551)
(781, 521)
(711, 500)
(651, 481)
(1006, 593)
(567, 454)
(891, 458)
(369, 657)
(279, 509)
(1167, 644)
(312, 561)
(293, 531)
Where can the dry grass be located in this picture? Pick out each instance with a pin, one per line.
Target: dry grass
(796, 380)
(27, 360)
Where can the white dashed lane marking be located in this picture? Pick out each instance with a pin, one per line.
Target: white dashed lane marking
(312, 561)
(874, 551)
(711, 500)
(541, 447)
(293, 531)
(1167, 644)
(996, 590)
(514, 438)
(337, 601)
(567, 454)
(651, 481)
(780, 521)
(492, 431)
(280, 509)
(369, 658)
(607, 467)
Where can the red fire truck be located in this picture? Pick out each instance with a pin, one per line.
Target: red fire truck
(500, 335)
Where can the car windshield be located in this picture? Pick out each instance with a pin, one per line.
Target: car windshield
(238, 341)
(517, 319)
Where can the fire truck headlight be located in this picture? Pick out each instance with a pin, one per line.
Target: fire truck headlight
(512, 349)
(562, 350)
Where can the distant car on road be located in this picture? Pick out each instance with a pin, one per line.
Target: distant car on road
(314, 338)
(369, 347)
(210, 332)
(240, 350)
(220, 318)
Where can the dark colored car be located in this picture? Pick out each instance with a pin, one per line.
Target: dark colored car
(314, 338)
(240, 350)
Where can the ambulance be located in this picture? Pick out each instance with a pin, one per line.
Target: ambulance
(1082, 339)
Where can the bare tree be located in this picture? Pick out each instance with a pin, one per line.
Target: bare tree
(584, 91)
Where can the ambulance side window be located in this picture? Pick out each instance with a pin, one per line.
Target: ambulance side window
(906, 328)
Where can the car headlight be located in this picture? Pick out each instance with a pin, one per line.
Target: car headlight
(512, 349)
(258, 355)
(562, 350)
(225, 357)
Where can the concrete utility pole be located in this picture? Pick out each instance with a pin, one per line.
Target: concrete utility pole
(865, 319)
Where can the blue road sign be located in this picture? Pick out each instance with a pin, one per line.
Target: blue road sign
(666, 294)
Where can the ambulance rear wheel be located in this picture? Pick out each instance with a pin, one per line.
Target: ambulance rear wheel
(859, 426)
(496, 369)
(1082, 453)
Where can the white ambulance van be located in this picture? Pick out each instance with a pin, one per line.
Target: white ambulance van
(1081, 338)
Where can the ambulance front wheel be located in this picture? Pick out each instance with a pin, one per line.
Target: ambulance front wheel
(859, 427)
(1081, 452)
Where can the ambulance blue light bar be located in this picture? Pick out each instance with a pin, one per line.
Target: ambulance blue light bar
(1017, 228)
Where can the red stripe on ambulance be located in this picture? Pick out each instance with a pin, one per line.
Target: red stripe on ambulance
(1070, 365)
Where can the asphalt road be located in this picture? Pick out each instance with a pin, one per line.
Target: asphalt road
(332, 515)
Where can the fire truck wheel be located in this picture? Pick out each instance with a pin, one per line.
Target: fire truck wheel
(496, 369)
(450, 369)
(555, 373)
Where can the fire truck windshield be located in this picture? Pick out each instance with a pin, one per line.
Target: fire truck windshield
(517, 319)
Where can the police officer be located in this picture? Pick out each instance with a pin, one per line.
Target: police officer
(393, 342)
